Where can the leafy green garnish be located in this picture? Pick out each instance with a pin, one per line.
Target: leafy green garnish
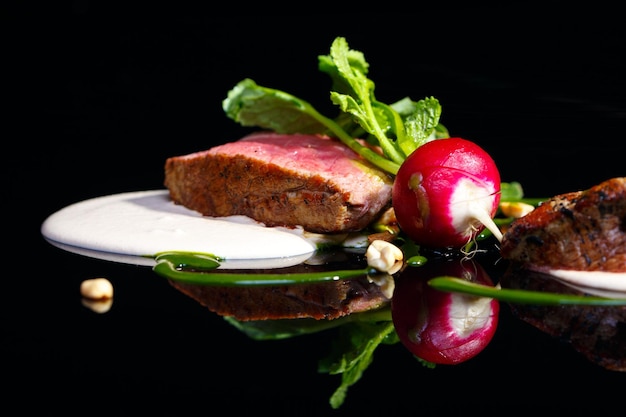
(250, 104)
(397, 129)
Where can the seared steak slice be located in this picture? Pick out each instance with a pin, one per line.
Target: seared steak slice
(282, 180)
(584, 230)
(597, 332)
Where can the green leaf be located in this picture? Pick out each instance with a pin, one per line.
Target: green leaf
(340, 84)
(359, 101)
(421, 124)
(513, 192)
(252, 105)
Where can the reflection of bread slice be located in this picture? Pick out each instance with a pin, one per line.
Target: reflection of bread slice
(282, 180)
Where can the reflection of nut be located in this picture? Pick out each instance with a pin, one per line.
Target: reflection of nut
(97, 306)
(96, 289)
(386, 283)
(384, 256)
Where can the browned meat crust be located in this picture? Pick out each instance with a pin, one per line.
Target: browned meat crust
(281, 185)
(584, 230)
(326, 300)
(597, 332)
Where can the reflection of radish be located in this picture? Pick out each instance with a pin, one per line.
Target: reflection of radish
(443, 327)
(446, 192)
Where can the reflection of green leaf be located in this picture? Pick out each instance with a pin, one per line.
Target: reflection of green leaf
(286, 328)
(359, 335)
(353, 352)
(282, 329)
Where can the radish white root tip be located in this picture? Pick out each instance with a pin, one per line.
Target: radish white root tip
(482, 216)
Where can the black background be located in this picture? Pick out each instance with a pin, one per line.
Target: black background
(98, 98)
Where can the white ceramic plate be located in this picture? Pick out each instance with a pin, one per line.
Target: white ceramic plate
(133, 227)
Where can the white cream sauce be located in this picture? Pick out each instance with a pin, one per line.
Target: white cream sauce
(605, 284)
(132, 227)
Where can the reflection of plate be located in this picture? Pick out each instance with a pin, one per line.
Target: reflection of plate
(133, 227)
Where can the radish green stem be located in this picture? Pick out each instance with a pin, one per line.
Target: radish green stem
(347, 139)
(383, 163)
(452, 284)
(198, 269)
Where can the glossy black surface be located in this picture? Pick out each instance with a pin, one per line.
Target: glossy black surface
(100, 103)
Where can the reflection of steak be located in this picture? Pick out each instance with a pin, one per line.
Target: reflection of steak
(281, 180)
(597, 332)
(325, 300)
(584, 230)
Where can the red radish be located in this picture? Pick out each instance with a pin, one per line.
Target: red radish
(446, 192)
(443, 327)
